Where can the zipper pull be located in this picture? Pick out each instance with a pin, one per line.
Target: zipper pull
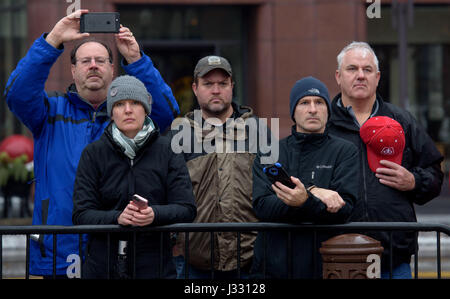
(94, 116)
(312, 175)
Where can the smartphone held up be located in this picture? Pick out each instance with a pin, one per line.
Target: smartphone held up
(100, 22)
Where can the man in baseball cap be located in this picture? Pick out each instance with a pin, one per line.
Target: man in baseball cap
(213, 87)
(385, 140)
(209, 63)
(217, 124)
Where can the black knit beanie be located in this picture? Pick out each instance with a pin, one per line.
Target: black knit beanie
(308, 86)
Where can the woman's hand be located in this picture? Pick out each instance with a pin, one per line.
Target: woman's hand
(132, 215)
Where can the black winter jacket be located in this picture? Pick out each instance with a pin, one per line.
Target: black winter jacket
(105, 182)
(380, 203)
(316, 159)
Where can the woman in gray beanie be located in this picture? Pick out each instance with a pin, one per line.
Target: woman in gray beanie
(131, 158)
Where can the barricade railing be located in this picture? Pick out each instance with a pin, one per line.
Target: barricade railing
(186, 228)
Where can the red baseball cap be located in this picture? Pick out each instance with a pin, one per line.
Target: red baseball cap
(384, 139)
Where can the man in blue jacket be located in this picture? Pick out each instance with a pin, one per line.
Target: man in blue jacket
(64, 123)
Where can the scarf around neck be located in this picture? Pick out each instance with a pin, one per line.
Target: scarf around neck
(131, 145)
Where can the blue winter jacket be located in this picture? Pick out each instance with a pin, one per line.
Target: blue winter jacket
(62, 125)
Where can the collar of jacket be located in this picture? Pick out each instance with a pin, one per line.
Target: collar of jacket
(108, 135)
(309, 138)
(78, 101)
(341, 117)
(206, 132)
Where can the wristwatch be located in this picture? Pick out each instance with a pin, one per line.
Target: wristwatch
(310, 188)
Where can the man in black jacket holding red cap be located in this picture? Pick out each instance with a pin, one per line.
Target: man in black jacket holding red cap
(387, 191)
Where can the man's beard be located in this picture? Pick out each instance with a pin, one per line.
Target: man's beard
(216, 110)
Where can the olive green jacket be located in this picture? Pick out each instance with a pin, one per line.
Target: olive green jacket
(220, 161)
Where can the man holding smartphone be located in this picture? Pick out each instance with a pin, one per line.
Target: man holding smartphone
(322, 168)
(64, 123)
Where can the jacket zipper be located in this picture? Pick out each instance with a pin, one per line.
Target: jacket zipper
(366, 203)
(131, 187)
(94, 116)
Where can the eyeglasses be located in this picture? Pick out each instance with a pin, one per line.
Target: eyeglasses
(100, 61)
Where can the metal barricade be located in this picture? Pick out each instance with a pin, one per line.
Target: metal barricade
(239, 228)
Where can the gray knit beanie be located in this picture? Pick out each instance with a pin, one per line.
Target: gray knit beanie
(128, 88)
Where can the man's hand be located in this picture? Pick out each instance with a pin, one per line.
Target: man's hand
(127, 45)
(67, 29)
(330, 198)
(292, 197)
(132, 215)
(395, 176)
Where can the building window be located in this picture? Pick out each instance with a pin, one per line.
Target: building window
(177, 36)
(428, 67)
(13, 46)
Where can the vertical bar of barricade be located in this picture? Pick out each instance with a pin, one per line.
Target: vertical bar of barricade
(186, 255)
(264, 254)
(80, 253)
(1, 256)
(438, 253)
(134, 255)
(108, 255)
(54, 256)
(238, 249)
(416, 257)
(315, 254)
(161, 253)
(27, 257)
(390, 255)
(289, 255)
(212, 254)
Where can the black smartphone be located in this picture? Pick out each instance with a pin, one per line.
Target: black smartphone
(100, 22)
(276, 173)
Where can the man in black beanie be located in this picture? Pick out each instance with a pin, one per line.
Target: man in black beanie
(308, 86)
(322, 168)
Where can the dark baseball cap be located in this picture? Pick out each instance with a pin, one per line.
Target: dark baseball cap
(209, 63)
